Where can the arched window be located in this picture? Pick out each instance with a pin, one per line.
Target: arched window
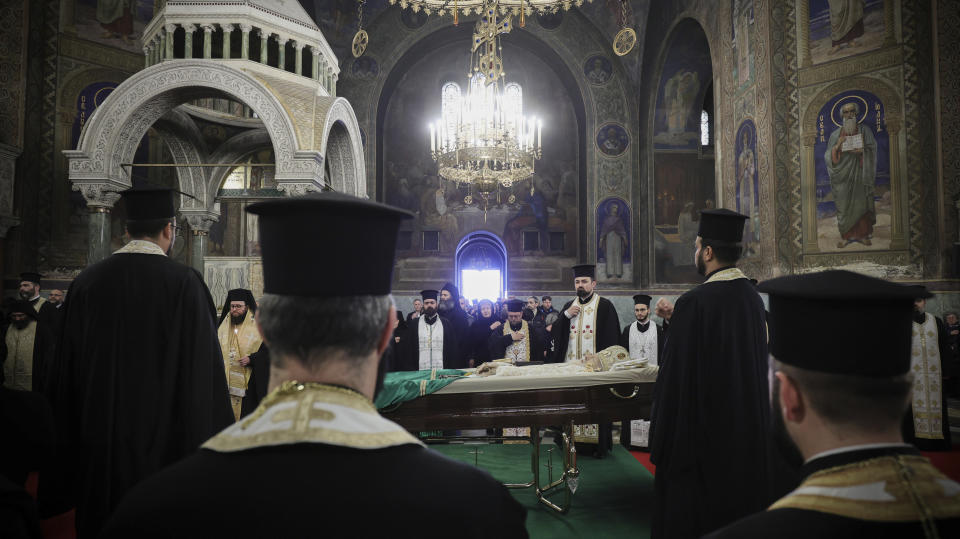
(450, 103)
(704, 128)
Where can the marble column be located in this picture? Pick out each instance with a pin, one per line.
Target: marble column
(200, 222)
(146, 56)
(315, 72)
(264, 40)
(100, 199)
(171, 29)
(188, 40)
(245, 41)
(282, 57)
(227, 40)
(163, 45)
(298, 69)
(207, 41)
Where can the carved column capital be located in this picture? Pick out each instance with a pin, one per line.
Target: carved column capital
(200, 220)
(170, 28)
(809, 141)
(297, 188)
(246, 28)
(100, 197)
(207, 27)
(190, 28)
(227, 28)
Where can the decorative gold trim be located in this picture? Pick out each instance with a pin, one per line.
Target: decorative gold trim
(729, 274)
(99, 209)
(914, 489)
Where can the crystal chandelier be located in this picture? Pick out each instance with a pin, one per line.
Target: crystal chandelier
(486, 142)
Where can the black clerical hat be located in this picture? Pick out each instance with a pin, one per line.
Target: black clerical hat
(585, 270)
(429, 294)
(31, 276)
(24, 307)
(327, 244)
(242, 294)
(840, 322)
(515, 306)
(148, 203)
(642, 299)
(452, 288)
(722, 225)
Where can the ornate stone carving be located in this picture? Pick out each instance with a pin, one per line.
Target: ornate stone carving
(200, 220)
(295, 189)
(99, 196)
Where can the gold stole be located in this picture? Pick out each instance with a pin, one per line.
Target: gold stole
(582, 329)
(237, 342)
(901, 488)
(518, 350)
(18, 368)
(925, 361)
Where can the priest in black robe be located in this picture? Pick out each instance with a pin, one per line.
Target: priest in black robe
(47, 313)
(711, 404)
(348, 471)
(448, 305)
(841, 384)
(138, 382)
(517, 340)
(421, 347)
(643, 345)
(24, 368)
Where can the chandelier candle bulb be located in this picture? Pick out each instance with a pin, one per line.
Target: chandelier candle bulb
(433, 140)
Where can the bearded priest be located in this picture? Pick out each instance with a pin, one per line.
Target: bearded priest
(516, 340)
(245, 358)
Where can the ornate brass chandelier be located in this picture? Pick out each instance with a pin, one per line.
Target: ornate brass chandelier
(486, 142)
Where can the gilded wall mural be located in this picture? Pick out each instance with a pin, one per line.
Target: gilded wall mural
(117, 23)
(747, 186)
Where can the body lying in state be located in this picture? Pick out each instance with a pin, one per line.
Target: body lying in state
(609, 359)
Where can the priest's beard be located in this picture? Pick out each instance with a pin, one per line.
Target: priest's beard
(238, 319)
(25, 295)
(781, 438)
(643, 318)
(701, 265)
(429, 311)
(20, 324)
(849, 126)
(447, 306)
(517, 326)
(582, 293)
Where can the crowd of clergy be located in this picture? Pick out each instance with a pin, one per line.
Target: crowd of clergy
(154, 414)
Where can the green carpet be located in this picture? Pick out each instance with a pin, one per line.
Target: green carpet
(614, 497)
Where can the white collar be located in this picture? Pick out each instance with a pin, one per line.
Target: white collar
(34, 298)
(849, 448)
(142, 247)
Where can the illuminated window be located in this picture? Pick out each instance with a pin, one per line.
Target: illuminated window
(450, 106)
(704, 128)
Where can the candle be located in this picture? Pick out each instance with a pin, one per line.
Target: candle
(539, 131)
(433, 140)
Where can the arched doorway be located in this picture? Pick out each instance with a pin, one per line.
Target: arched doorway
(481, 263)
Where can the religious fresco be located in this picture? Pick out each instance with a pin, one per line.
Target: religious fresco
(597, 69)
(743, 31)
(613, 240)
(841, 28)
(747, 185)
(852, 170)
(543, 206)
(686, 76)
(683, 175)
(612, 139)
(117, 23)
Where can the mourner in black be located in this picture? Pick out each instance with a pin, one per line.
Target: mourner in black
(267, 476)
(480, 331)
(711, 412)
(430, 342)
(516, 340)
(138, 382)
(643, 339)
(448, 306)
(841, 347)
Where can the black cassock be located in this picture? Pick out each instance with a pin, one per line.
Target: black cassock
(317, 490)
(498, 343)
(607, 333)
(259, 380)
(793, 523)
(43, 352)
(711, 412)
(138, 381)
(409, 349)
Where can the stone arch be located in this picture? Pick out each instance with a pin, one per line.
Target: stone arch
(229, 153)
(342, 147)
(113, 132)
(179, 133)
